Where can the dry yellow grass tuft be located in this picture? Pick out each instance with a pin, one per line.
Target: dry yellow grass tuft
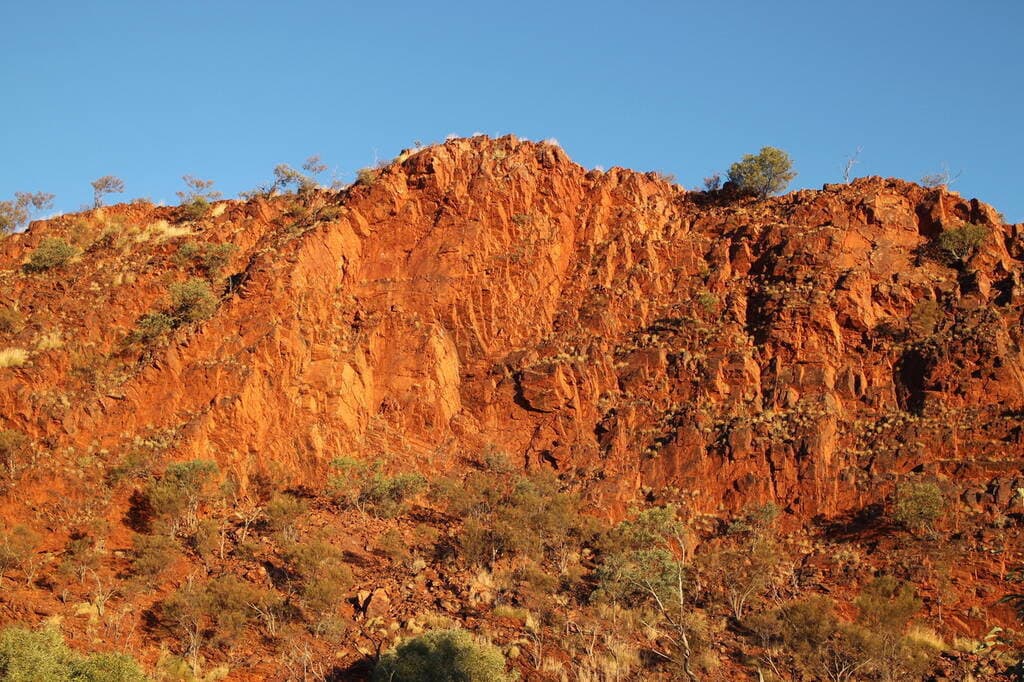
(925, 636)
(49, 340)
(161, 231)
(13, 357)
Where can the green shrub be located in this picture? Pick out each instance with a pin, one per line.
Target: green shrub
(216, 611)
(81, 555)
(321, 573)
(392, 545)
(42, 656)
(769, 172)
(345, 485)
(510, 516)
(807, 637)
(216, 257)
(108, 668)
(960, 243)
(151, 554)
(206, 538)
(212, 257)
(282, 513)
(194, 209)
(640, 568)
(887, 604)
(192, 300)
(51, 253)
(442, 656)
(369, 489)
(387, 496)
(176, 497)
(33, 656)
(918, 505)
(227, 600)
(749, 563)
(151, 328)
(187, 251)
(17, 548)
(886, 607)
(134, 465)
(286, 176)
(367, 176)
(495, 461)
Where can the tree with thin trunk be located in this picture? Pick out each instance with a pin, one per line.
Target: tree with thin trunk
(642, 564)
(15, 213)
(108, 184)
(851, 161)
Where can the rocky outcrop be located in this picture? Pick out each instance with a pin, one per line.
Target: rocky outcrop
(643, 340)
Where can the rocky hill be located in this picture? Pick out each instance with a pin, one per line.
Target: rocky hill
(647, 344)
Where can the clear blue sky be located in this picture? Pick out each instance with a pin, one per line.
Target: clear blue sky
(150, 90)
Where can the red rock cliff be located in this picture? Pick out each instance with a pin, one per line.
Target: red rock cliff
(646, 340)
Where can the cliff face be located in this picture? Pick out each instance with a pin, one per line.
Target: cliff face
(808, 349)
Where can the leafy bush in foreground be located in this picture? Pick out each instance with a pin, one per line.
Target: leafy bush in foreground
(442, 656)
(506, 516)
(216, 611)
(42, 656)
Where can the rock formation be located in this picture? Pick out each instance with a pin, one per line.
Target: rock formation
(492, 293)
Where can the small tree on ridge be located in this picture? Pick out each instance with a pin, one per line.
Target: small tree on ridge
(108, 184)
(767, 173)
(14, 213)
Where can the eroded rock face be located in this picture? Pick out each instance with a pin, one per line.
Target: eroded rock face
(805, 349)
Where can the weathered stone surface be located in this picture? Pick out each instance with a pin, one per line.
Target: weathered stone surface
(492, 292)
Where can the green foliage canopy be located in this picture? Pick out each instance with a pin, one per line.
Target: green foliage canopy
(442, 656)
(764, 174)
(42, 656)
